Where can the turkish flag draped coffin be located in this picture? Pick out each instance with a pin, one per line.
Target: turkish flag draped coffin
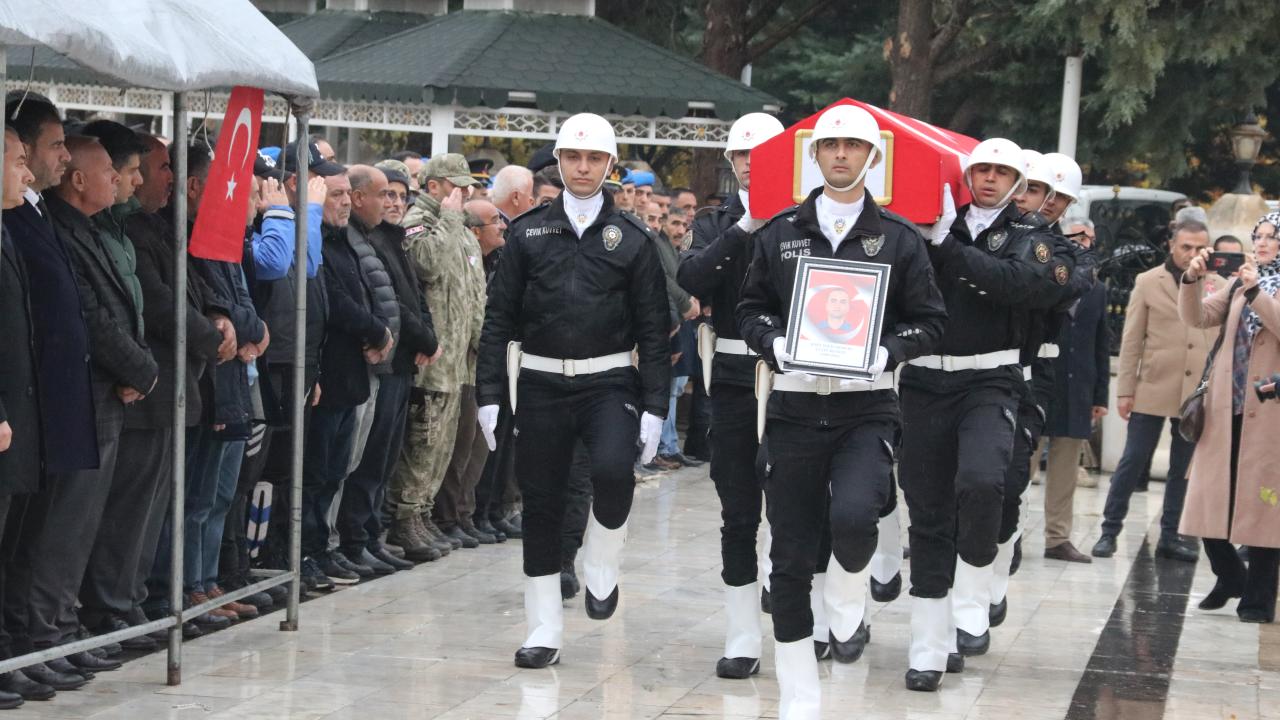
(918, 159)
(224, 208)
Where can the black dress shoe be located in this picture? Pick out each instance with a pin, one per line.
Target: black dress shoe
(485, 526)
(971, 645)
(385, 556)
(1016, 562)
(537, 657)
(850, 650)
(10, 700)
(463, 540)
(506, 528)
(1254, 615)
(18, 683)
(737, 668)
(480, 536)
(1218, 596)
(1175, 549)
(1067, 553)
(114, 623)
(601, 609)
(350, 565)
(886, 592)
(955, 663)
(64, 666)
(42, 674)
(89, 661)
(924, 680)
(368, 560)
(766, 601)
(821, 650)
(191, 631)
(1105, 547)
(997, 611)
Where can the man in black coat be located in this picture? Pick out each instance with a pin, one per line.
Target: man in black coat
(1081, 380)
(20, 456)
(124, 372)
(114, 587)
(64, 384)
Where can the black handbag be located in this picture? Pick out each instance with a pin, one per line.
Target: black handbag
(1191, 414)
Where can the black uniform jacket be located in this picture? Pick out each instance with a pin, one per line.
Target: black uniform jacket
(19, 403)
(713, 269)
(914, 316)
(568, 297)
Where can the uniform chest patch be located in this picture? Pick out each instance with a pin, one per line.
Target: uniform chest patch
(996, 240)
(1042, 252)
(871, 246)
(540, 231)
(1060, 274)
(414, 230)
(794, 248)
(612, 237)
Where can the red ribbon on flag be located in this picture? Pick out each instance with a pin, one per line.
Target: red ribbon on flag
(219, 230)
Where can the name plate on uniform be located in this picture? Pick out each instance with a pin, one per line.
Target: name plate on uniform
(837, 310)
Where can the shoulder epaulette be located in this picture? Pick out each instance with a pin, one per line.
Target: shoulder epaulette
(529, 213)
(787, 214)
(629, 217)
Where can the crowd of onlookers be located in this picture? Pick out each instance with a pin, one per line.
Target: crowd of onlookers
(394, 473)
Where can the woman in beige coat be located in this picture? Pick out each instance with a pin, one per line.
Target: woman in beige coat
(1233, 495)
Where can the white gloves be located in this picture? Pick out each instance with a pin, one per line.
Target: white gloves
(749, 224)
(882, 359)
(650, 432)
(780, 351)
(939, 231)
(487, 417)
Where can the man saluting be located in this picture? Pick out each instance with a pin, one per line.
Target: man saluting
(578, 289)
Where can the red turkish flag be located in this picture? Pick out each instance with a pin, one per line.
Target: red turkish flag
(219, 230)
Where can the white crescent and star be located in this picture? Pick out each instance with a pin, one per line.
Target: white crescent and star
(243, 119)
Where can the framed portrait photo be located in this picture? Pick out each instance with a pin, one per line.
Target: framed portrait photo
(837, 309)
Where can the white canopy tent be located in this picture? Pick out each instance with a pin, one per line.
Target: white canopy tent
(180, 46)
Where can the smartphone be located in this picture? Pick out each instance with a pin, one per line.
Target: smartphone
(1225, 263)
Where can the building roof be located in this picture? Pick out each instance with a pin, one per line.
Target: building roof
(328, 32)
(571, 63)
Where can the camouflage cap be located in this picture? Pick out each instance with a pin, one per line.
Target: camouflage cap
(395, 171)
(450, 166)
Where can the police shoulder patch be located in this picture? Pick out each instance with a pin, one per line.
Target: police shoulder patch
(1043, 253)
(871, 246)
(997, 239)
(1060, 274)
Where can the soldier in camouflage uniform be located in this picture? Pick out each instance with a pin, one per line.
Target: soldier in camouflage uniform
(447, 259)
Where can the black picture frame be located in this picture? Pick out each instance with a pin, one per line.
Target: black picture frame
(820, 340)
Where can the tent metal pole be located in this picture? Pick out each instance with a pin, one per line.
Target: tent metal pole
(179, 384)
(298, 397)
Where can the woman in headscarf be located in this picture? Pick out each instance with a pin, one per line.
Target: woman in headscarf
(1233, 494)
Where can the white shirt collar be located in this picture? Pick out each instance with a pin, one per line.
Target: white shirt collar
(34, 198)
(582, 212)
(745, 198)
(836, 218)
(979, 219)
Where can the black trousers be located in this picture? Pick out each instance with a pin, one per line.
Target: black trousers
(697, 441)
(834, 479)
(278, 464)
(499, 467)
(359, 524)
(733, 470)
(549, 424)
(1018, 476)
(233, 559)
(328, 452)
(577, 507)
(1257, 582)
(956, 445)
(125, 548)
(12, 509)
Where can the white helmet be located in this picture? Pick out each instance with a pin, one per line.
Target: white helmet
(1067, 177)
(586, 131)
(848, 121)
(751, 130)
(998, 151)
(1038, 170)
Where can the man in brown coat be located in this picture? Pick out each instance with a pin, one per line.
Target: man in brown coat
(1161, 360)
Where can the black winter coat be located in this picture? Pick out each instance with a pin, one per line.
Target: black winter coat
(1082, 370)
(232, 403)
(382, 291)
(713, 269)
(344, 373)
(19, 402)
(67, 415)
(417, 330)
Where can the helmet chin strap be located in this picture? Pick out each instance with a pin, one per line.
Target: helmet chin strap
(866, 167)
(968, 180)
(569, 189)
(1046, 200)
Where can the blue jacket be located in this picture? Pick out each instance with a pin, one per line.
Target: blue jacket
(273, 247)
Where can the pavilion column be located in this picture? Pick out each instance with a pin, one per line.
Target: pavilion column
(441, 129)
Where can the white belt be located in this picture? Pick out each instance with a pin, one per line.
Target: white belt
(952, 363)
(734, 347)
(1049, 350)
(570, 368)
(826, 385)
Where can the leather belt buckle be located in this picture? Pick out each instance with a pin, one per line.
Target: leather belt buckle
(824, 385)
(568, 368)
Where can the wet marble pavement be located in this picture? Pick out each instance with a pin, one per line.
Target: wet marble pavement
(1116, 639)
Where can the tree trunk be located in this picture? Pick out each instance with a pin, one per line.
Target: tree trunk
(724, 49)
(910, 67)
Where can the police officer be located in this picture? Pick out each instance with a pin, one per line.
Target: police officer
(578, 289)
(959, 406)
(830, 441)
(713, 270)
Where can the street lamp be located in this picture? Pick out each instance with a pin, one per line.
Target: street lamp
(1246, 143)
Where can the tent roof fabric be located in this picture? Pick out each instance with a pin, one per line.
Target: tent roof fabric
(572, 64)
(174, 45)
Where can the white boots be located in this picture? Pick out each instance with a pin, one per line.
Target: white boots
(601, 565)
(931, 641)
(1000, 580)
(743, 633)
(817, 604)
(886, 563)
(800, 696)
(971, 607)
(845, 598)
(545, 616)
